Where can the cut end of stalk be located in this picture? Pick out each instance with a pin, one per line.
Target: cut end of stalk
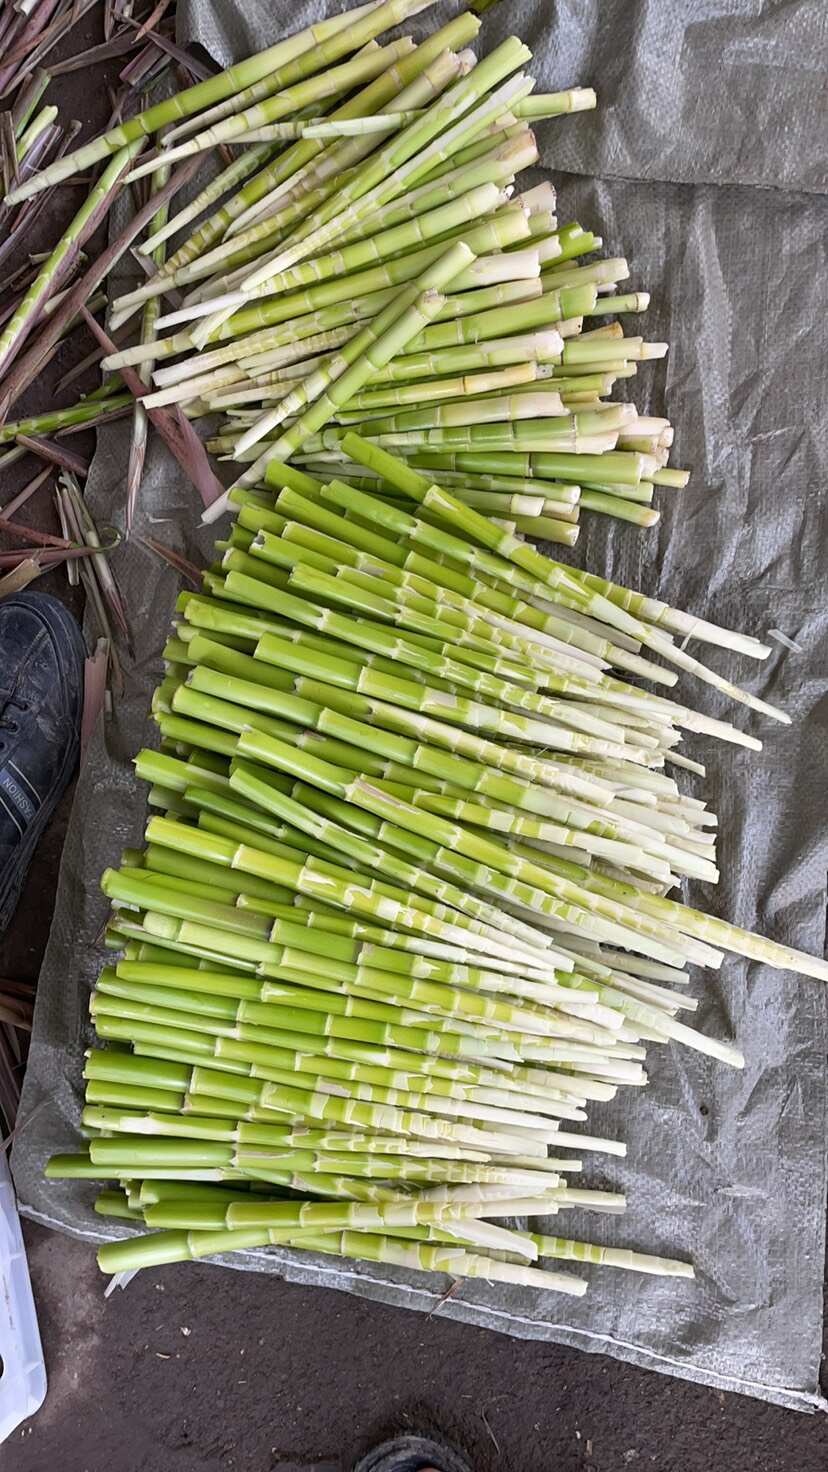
(582, 99)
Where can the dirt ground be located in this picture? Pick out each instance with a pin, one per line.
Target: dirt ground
(204, 1368)
(208, 1369)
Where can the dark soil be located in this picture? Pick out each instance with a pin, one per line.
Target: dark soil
(204, 1368)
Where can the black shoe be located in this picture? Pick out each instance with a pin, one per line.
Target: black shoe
(412, 1454)
(42, 655)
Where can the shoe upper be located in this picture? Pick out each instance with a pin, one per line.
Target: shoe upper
(41, 701)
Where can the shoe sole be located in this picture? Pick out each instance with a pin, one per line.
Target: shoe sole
(10, 898)
(412, 1454)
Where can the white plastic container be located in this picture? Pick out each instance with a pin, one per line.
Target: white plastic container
(22, 1371)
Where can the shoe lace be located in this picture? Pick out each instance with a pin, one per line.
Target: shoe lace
(9, 700)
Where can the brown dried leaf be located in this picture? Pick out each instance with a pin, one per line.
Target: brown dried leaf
(8, 151)
(28, 490)
(119, 45)
(21, 533)
(194, 66)
(154, 17)
(175, 430)
(94, 690)
(55, 454)
(174, 559)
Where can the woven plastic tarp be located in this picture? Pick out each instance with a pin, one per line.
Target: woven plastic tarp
(705, 168)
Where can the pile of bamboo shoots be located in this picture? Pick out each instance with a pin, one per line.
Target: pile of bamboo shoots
(404, 911)
(358, 162)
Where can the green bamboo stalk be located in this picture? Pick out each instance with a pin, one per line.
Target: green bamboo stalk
(53, 269)
(553, 104)
(140, 422)
(611, 609)
(439, 275)
(614, 1257)
(411, 1211)
(404, 156)
(550, 528)
(386, 340)
(43, 120)
(542, 105)
(287, 168)
(333, 81)
(294, 58)
(491, 234)
(115, 1203)
(620, 468)
(433, 391)
(316, 879)
(55, 419)
(619, 507)
(456, 1261)
(254, 196)
(398, 163)
(248, 95)
(241, 168)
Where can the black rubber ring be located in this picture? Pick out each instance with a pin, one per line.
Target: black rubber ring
(412, 1454)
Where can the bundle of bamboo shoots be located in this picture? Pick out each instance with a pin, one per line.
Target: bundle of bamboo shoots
(404, 909)
(358, 163)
